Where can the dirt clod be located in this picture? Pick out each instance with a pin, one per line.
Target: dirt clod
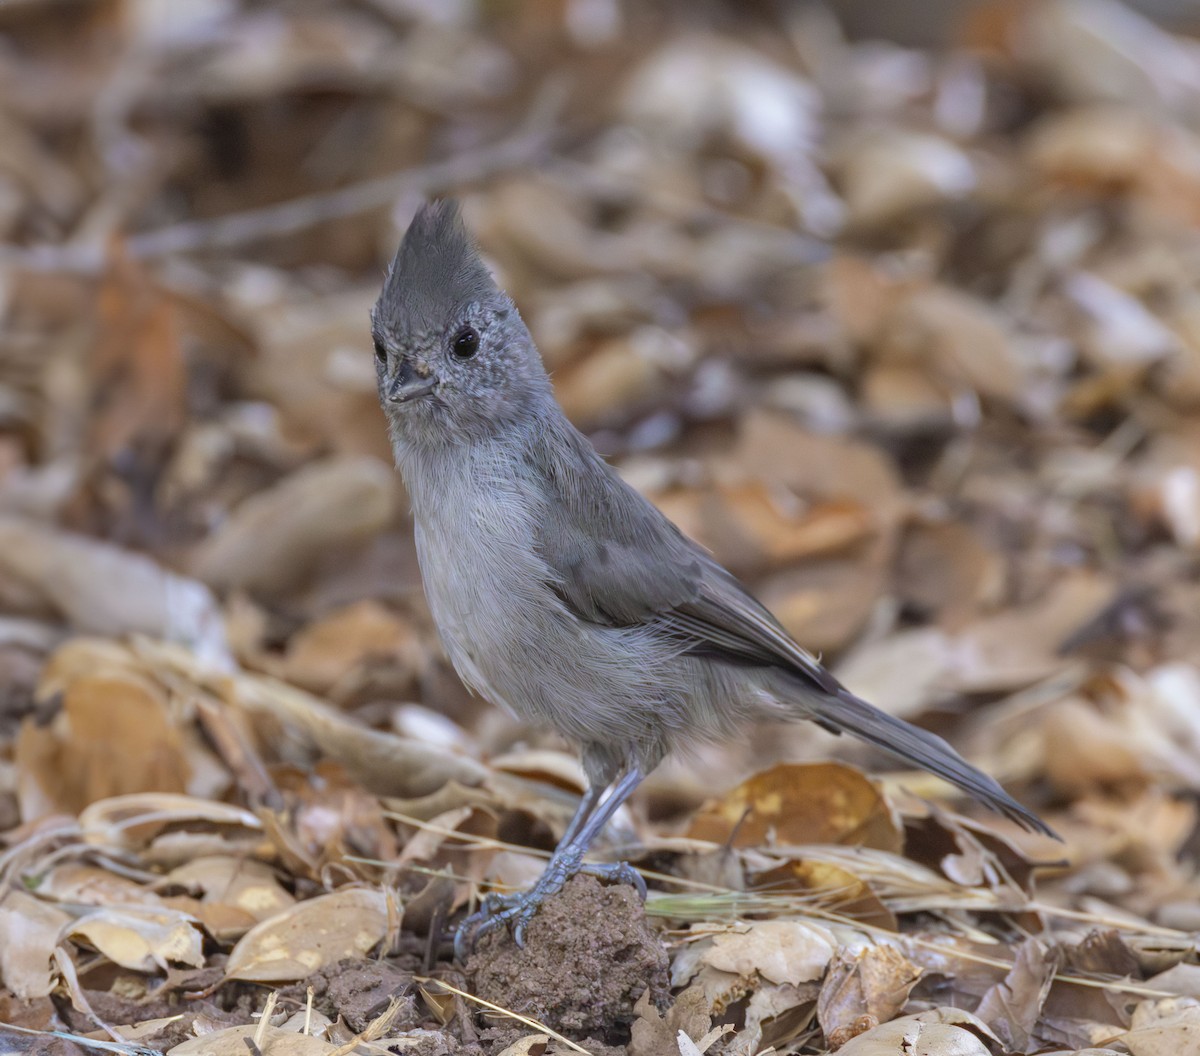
(589, 955)
(358, 991)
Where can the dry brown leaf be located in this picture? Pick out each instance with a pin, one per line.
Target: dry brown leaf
(774, 449)
(794, 803)
(99, 588)
(780, 951)
(825, 604)
(903, 673)
(1165, 1027)
(142, 938)
(891, 172)
(136, 366)
(938, 1032)
(115, 736)
(612, 383)
(274, 538)
(777, 1013)
(327, 651)
(654, 1033)
(270, 1041)
(872, 982)
(235, 893)
(310, 935)
(964, 341)
(134, 820)
(84, 884)
(29, 932)
(1012, 1007)
(383, 763)
(750, 524)
(945, 569)
(832, 885)
(1021, 645)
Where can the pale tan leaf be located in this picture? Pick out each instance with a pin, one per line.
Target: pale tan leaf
(794, 803)
(272, 1041)
(29, 931)
(938, 1032)
(382, 762)
(135, 818)
(1012, 1006)
(96, 587)
(780, 951)
(1165, 1027)
(274, 538)
(142, 938)
(873, 981)
(325, 652)
(310, 935)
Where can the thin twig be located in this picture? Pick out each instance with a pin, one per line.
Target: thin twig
(128, 1049)
(522, 147)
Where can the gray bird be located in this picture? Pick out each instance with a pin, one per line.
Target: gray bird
(559, 592)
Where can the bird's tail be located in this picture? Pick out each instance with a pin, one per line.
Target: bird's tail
(843, 712)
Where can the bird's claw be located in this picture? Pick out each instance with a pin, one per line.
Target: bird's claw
(616, 873)
(515, 911)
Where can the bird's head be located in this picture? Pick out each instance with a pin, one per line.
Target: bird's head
(453, 359)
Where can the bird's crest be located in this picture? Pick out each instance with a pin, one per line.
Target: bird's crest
(436, 272)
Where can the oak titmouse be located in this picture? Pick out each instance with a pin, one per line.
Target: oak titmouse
(560, 592)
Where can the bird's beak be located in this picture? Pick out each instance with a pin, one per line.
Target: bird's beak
(410, 382)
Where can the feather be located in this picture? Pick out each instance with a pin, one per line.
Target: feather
(436, 273)
(620, 563)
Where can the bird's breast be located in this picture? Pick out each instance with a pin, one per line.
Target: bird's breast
(486, 586)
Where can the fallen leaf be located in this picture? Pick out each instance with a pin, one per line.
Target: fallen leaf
(235, 893)
(794, 804)
(273, 539)
(270, 1041)
(1012, 1007)
(310, 935)
(115, 735)
(383, 763)
(329, 650)
(134, 820)
(29, 932)
(142, 938)
(1164, 1027)
(99, 588)
(780, 951)
(872, 981)
(938, 1032)
(654, 1033)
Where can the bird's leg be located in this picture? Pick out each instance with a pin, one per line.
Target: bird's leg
(596, 807)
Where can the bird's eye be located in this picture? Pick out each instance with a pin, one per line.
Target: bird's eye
(380, 352)
(466, 343)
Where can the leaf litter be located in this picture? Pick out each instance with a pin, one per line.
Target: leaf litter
(907, 334)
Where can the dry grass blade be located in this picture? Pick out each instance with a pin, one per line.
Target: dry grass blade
(128, 1048)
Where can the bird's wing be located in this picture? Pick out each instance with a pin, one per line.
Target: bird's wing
(617, 561)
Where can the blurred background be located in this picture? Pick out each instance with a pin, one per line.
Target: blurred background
(895, 307)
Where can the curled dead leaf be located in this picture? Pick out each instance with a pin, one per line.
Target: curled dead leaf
(310, 935)
(142, 938)
(938, 1032)
(794, 803)
(780, 951)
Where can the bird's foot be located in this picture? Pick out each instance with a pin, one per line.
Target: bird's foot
(515, 911)
(616, 873)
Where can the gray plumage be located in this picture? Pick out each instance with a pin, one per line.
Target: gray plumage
(559, 591)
